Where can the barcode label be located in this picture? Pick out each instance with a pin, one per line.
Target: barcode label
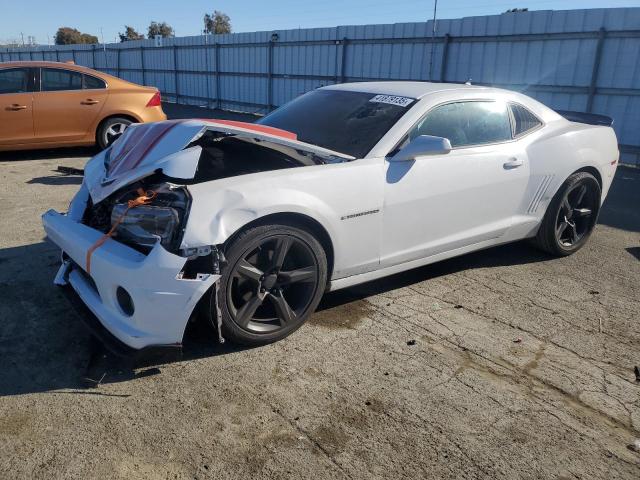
(393, 100)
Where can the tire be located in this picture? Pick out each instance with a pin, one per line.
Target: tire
(265, 295)
(110, 130)
(571, 216)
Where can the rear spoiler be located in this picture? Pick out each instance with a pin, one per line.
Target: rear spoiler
(589, 118)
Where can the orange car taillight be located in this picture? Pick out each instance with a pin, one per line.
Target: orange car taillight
(155, 100)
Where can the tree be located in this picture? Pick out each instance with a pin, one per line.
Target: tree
(219, 22)
(163, 29)
(130, 34)
(87, 38)
(69, 36)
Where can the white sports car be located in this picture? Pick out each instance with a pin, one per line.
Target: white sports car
(252, 223)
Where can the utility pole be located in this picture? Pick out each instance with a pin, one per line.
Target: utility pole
(433, 37)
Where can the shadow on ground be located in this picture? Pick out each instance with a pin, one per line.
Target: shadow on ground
(48, 154)
(513, 254)
(635, 251)
(56, 179)
(44, 346)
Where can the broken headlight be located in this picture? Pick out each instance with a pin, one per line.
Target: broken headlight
(145, 224)
(159, 220)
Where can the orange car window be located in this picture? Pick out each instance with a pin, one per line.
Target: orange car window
(93, 82)
(15, 80)
(55, 79)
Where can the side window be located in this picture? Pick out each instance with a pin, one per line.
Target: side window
(524, 120)
(467, 123)
(56, 79)
(93, 82)
(14, 80)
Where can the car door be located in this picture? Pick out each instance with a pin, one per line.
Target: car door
(16, 106)
(63, 110)
(441, 203)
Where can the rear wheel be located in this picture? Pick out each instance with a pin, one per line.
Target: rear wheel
(571, 215)
(110, 130)
(274, 280)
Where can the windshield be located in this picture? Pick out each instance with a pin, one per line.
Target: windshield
(346, 122)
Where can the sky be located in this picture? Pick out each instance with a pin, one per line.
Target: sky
(106, 19)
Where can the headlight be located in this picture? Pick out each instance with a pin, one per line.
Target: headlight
(159, 221)
(145, 225)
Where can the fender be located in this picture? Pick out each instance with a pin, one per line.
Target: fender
(235, 208)
(569, 149)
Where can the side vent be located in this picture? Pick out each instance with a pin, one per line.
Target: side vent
(540, 191)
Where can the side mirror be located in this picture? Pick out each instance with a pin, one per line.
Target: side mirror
(421, 146)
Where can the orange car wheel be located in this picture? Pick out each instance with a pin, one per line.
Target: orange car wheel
(110, 130)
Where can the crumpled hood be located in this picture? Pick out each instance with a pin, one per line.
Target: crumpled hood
(147, 148)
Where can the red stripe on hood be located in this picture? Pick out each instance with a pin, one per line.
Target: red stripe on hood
(139, 145)
(278, 132)
(121, 149)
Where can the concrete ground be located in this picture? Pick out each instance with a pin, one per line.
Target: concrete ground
(500, 364)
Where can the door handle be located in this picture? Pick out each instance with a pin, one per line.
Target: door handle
(513, 162)
(16, 107)
(90, 101)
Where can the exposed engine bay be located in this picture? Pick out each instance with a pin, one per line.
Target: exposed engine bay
(226, 156)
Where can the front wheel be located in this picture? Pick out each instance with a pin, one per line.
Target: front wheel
(275, 277)
(571, 215)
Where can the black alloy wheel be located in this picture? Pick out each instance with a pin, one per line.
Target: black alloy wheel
(576, 214)
(273, 282)
(571, 215)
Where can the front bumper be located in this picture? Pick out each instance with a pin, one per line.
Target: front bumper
(162, 301)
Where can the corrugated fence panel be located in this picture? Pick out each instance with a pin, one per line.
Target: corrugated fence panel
(585, 60)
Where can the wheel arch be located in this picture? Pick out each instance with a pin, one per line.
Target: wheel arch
(128, 116)
(593, 171)
(587, 169)
(299, 220)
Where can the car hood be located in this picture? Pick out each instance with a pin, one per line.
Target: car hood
(145, 149)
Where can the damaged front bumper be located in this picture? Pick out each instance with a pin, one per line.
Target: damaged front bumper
(140, 299)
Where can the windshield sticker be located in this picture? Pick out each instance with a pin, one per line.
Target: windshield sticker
(393, 100)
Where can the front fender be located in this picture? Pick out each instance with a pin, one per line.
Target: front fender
(235, 208)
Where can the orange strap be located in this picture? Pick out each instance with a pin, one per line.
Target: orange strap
(142, 199)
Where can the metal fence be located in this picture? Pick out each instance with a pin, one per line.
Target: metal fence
(585, 60)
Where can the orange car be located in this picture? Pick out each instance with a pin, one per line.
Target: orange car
(51, 104)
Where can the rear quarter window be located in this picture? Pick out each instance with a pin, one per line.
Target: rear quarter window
(524, 120)
(93, 83)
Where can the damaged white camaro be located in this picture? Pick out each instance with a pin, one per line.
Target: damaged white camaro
(252, 223)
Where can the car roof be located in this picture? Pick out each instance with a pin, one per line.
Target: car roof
(406, 89)
(42, 63)
(110, 79)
